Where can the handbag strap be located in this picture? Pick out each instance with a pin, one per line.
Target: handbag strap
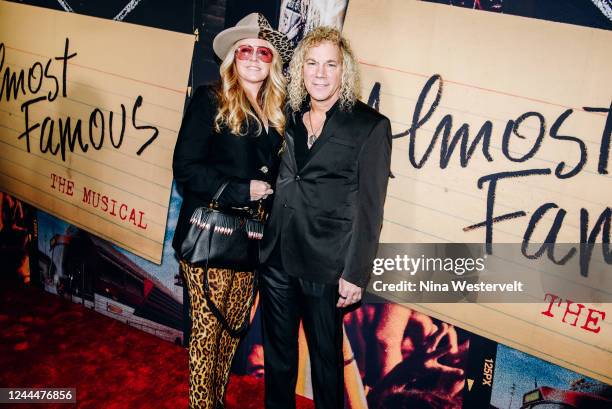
(241, 330)
(214, 202)
(215, 199)
(234, 332)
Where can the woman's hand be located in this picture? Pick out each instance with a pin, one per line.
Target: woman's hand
(260, 190)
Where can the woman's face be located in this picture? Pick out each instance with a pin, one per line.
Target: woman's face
(253, 59)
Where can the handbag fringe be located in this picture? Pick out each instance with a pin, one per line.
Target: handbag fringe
(226, 225)
(254, 229)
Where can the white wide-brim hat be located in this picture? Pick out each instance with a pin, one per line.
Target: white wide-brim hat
(254, 25)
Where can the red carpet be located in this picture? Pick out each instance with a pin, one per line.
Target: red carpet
(46, 341)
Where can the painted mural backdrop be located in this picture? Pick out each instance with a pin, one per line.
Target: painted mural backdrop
(496, 142)
(89, 118)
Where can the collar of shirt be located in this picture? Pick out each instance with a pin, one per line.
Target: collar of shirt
(306, 107)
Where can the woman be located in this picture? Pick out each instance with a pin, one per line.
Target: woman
(231, 131)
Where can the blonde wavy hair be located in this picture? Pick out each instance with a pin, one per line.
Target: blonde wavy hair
(235, 110)
(350, 88)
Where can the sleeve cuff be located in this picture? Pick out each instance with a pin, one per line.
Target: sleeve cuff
(360, 280)
(237, 193)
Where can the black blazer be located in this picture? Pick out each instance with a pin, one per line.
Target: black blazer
(328, 215)
(204, 159)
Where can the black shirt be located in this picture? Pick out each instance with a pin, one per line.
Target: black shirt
(302, 153)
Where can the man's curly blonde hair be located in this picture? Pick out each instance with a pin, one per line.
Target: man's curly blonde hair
(350, 88)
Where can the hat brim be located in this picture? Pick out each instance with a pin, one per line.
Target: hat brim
(224, 41)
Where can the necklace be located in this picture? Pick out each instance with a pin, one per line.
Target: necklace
(313, 136)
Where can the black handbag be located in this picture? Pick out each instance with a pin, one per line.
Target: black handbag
(224, 238)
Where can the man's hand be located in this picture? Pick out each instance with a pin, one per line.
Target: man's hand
(349, 293)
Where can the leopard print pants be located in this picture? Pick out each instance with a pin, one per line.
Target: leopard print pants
(211, 348)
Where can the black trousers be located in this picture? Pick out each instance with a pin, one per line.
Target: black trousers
(284, 301)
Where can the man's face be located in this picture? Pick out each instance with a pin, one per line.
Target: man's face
(323, 72)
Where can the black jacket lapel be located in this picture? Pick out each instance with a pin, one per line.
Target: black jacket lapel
(337, 120)
(289, 155)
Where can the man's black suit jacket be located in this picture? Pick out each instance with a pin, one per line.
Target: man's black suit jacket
(328, 215)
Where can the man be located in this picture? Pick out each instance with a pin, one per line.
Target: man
(322, 238)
